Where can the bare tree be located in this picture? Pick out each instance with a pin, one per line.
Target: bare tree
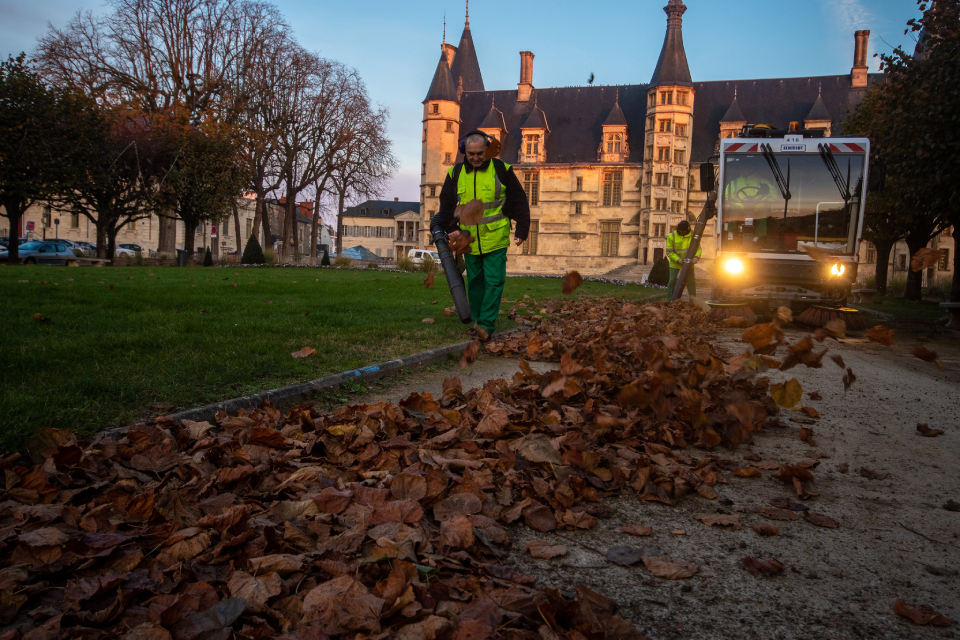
(364, 165)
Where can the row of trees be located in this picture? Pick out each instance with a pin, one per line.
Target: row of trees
(174, 108)
(913, 122)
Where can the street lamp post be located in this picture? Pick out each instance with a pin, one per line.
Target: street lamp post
(56, 221)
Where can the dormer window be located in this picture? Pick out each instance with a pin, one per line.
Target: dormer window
(614, 143)
(533, 144)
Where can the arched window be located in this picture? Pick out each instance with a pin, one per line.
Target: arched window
(614, 143)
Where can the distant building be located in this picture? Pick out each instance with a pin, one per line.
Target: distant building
(388, 228)
(611, 170)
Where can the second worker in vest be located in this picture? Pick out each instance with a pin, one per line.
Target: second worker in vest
(494, 183)
(677, 244)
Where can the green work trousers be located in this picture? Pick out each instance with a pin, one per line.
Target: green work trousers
(691, 283)
(486, 276)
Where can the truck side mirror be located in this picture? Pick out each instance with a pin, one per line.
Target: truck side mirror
(706, 177)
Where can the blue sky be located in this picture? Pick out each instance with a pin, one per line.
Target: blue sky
(396, 45)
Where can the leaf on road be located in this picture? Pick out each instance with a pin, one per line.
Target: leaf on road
(766, 529)
(470, 354)
(924, 430)
(806, 435)
(926, 355)
(747, 472)
(545, 550)
(663, 567)
(624, 556)
(767, 567)
(637, 530)
(787, 394)
(821, 520)
(457, 532)
(720, 520)
(922, 615)
(881, 335)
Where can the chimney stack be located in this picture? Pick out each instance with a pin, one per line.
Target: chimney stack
(859, 72)
(396, 199)
(525, 88)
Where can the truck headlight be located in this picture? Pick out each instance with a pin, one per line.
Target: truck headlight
(733, 266)
(837, 269)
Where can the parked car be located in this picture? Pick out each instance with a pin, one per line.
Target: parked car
(417, 255)
(87, 248)
(5, 241)
(121, 251)
(50, 252)
(132, 247)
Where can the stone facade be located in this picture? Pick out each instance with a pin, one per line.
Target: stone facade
(388, 229)
(610, 171)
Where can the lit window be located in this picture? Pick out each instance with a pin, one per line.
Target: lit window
(659, 229)
(665, 126)
(533, 144)
(530, 244)
(678, 157)
(661, 204)
(676, 207)
(614, 143)
(662, 179)
(663, 154)
(609, 238)
(944, 260)
(677, 182)
(531, 184)
(612, 188)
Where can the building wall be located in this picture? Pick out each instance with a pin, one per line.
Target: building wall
(386, 237)
(441, 131)
(899, 263)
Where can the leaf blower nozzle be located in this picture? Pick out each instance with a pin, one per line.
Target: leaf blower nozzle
(454, 279)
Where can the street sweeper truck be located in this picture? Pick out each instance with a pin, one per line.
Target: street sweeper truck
(790, 208)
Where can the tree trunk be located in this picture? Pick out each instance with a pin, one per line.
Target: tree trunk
(914, 278)
(265, 220)
(315, 230)
(103, 248)
(189, 238)
(236, 219)
(883, 266)
(257, 215)
(14, 209)
(166, 234)
(341, 196)
(287, 226)
(296, 233)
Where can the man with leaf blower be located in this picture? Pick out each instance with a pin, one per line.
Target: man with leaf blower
(479, 199)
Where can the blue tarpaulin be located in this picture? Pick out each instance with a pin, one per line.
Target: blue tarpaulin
(359, 252)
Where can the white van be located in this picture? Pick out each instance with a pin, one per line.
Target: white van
(417, 255)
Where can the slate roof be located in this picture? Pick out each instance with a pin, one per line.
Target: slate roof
(375, 209)
(466, 65)
(615, 119)
(576, 116)
(494, 120)
(672, 67)
(442, 87)
(776, 101)
(536, 120)
(819, 111)
(734, 114)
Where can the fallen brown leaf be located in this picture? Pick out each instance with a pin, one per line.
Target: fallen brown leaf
(663, 567)
(306, 352)
(428, 282)
(925, 430)
(571, 282)
(470, 354)
(926, 355)
(922, 615)
(766, 529)
(880, 334)
(637, 530)
(545, 550)
(720, 520)
(767, 567)
(820, 520)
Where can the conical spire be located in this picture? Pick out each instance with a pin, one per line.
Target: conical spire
(734, 114)
(616, 117)
(442, 87)
(465, 64)
(672, 67)
(494, 118)
(819, 110)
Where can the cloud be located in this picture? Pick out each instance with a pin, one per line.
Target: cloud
(849, 16)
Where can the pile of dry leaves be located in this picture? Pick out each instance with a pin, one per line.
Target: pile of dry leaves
(383, 520)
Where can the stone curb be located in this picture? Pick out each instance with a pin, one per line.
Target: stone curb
(302, 390)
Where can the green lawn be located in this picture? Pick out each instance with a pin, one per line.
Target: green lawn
(188, 337)
(899, 307)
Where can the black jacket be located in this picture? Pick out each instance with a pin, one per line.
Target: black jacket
(515, 207)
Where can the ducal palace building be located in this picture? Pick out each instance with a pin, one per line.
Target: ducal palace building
(611, 170)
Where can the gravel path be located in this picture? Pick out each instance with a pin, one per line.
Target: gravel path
(895, 540)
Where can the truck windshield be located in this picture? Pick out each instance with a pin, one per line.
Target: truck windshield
(757, 217)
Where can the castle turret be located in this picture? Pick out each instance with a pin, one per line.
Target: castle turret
(667, 138)
(466, 68)
(441, 127)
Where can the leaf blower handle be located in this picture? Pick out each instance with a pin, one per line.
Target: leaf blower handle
(454, 279)
(709, 212)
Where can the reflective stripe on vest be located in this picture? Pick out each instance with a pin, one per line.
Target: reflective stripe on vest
(493, 231)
